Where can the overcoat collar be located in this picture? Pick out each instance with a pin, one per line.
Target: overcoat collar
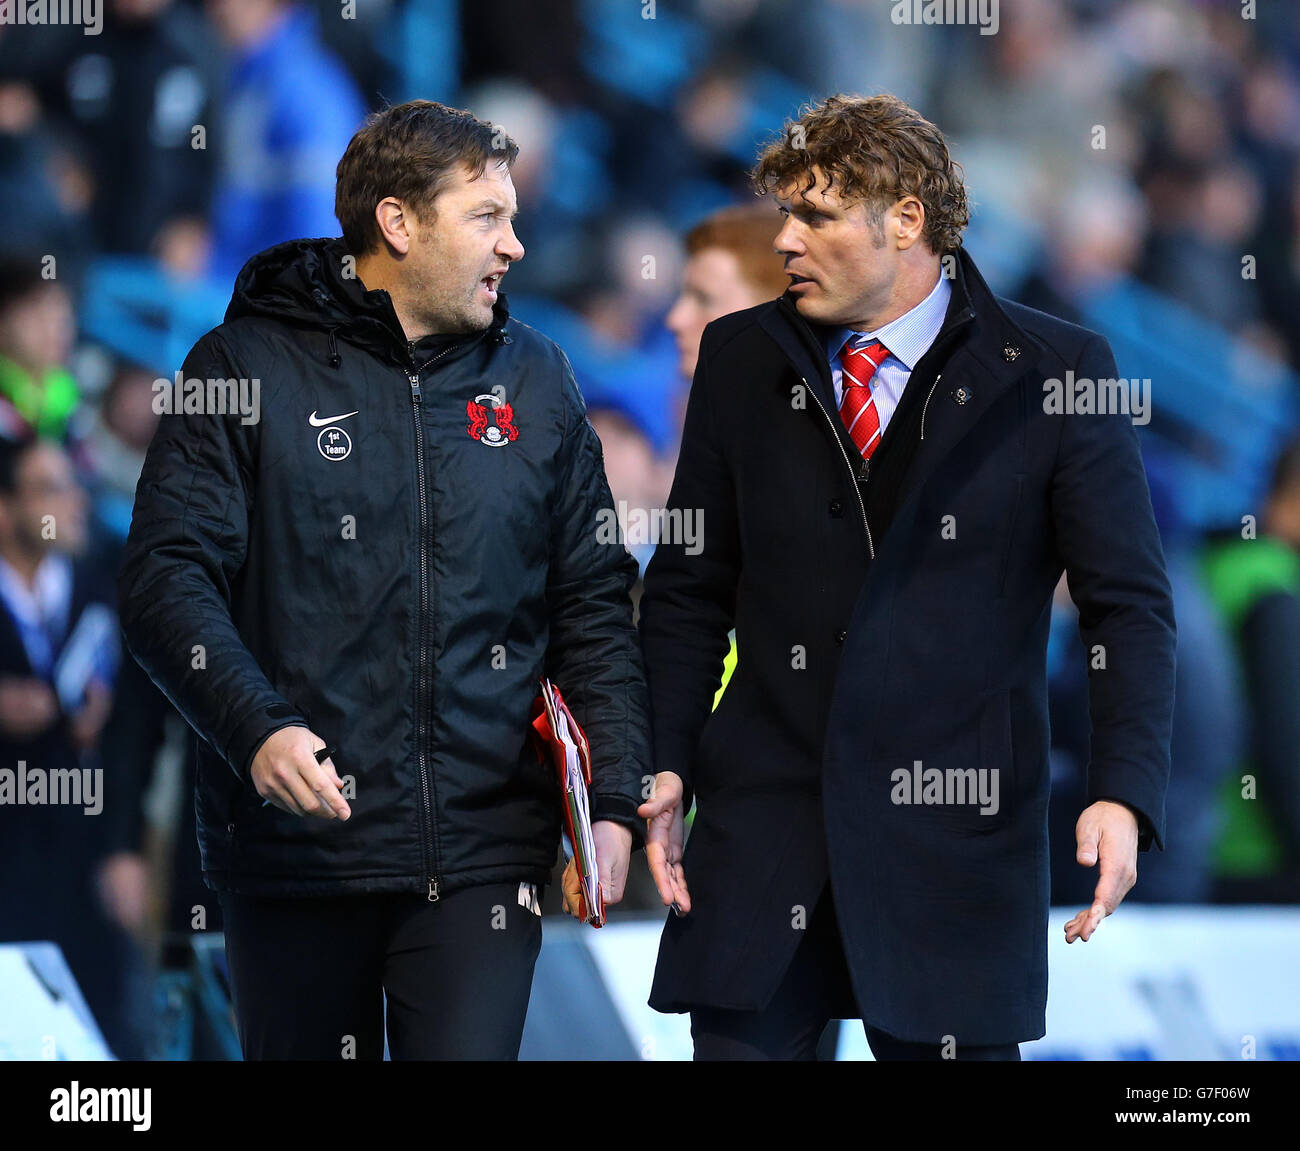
(983, 353)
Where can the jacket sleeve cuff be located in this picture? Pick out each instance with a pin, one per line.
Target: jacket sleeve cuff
(621, 810)
(255, 731)
(688, 793)
(1148, 834)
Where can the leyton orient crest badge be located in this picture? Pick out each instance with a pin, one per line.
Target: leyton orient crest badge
(491, 421)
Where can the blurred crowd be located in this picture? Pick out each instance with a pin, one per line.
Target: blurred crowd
(1115, 150)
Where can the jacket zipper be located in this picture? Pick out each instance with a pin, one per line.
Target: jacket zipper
(862, 507)
(927, 403)
(428, 792)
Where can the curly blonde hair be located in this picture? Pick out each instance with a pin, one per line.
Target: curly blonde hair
(876, 149)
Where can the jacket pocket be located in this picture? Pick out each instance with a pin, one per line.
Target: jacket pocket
(978, 776)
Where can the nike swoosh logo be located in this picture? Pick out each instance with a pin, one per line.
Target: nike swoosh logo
(316, 423)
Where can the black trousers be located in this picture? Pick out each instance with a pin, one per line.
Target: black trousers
(816, 989)
(309, 975)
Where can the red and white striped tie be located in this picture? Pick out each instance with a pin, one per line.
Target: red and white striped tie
(857, 404)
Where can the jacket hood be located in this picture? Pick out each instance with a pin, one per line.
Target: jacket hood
(301, 282)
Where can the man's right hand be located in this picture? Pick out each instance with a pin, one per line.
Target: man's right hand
(285, 773)
(665, 835)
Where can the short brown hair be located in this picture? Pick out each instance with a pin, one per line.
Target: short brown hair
(410, 151)
(877, 149)
(749, 233)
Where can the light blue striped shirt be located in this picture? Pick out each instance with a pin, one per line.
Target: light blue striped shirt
(908, 338)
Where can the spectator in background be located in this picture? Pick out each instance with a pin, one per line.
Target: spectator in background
(112, 443)
(136, 93)
(731, 264)
(1255, 584)
(1097, 232)
(289, 111)
(1278, 246)
(44, 186)
(36, 334)
(112, 440)
(638, 481)
(57, 870)
(1194, 252)
(639, 263)
(671, 163)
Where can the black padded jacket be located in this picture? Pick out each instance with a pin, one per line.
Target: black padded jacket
(389, 550)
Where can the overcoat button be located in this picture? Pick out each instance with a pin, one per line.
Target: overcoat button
(1010, 352)
(841, 636)
(837, 508)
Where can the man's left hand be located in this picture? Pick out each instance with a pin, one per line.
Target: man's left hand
(1106, 832)
(613, 853)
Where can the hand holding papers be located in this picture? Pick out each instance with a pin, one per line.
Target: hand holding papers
(558, 735)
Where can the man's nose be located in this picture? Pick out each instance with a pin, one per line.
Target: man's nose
(676, 315)
(510, 248)
(787, 242)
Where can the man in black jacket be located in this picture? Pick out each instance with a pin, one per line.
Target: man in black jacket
(373, 526)
(891, 483)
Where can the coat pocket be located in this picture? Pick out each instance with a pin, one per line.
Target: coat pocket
(977, 778)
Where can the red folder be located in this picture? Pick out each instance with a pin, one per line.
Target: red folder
(556, 735)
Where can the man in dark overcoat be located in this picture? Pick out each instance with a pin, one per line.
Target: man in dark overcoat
(890, 468)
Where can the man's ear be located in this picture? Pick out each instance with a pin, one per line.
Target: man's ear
(907, 222)
(396, 224)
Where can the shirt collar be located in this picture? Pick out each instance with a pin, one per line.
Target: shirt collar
(908, 337)
(47, 598)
